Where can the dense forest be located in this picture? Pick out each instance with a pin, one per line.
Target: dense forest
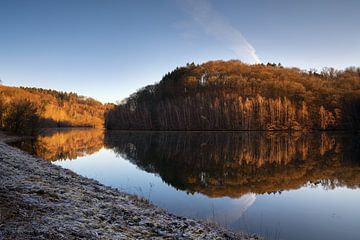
(230, 95)
(220, 164)
(24, 110)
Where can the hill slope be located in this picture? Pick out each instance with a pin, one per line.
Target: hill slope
(220, 95)
(54, 108)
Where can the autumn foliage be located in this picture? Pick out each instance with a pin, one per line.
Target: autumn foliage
(230, 95)
(24, 110)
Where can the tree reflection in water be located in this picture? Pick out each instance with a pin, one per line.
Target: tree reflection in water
(219, 164)
(232, 164)
(65, 144)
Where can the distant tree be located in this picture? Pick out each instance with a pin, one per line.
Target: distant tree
(22, 118)
(2, 111)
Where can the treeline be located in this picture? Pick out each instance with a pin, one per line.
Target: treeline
(24, 110)
(231, 95)
(220, 164)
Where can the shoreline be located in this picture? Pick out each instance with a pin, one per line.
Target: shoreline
(39, 200)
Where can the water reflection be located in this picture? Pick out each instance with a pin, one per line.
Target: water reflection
(233, 164)
(237, 179)
(64, 144)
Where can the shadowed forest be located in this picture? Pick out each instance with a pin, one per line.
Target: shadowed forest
(25, 110)
(231, 95)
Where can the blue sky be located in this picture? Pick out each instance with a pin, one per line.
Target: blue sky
(109, 49)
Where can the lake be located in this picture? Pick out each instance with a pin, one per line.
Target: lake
(280, 185)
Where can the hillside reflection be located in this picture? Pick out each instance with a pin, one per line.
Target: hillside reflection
(232, 164)
(64, 144)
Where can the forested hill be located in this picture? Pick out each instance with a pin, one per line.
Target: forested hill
(22, 108)
(230, 95)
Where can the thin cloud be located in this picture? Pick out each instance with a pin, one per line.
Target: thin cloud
(214, 25)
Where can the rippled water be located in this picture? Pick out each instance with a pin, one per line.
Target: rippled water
(280, 185)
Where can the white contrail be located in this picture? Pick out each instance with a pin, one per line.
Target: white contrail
(214, 25)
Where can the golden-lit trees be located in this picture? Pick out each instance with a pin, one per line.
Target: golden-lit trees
(21, 117)
(56, 109)
(2, 111)
(231, 95)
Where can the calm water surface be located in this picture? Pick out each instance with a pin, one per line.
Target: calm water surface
(280, 185)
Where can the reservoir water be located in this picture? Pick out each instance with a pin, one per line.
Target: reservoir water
(279, 185)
